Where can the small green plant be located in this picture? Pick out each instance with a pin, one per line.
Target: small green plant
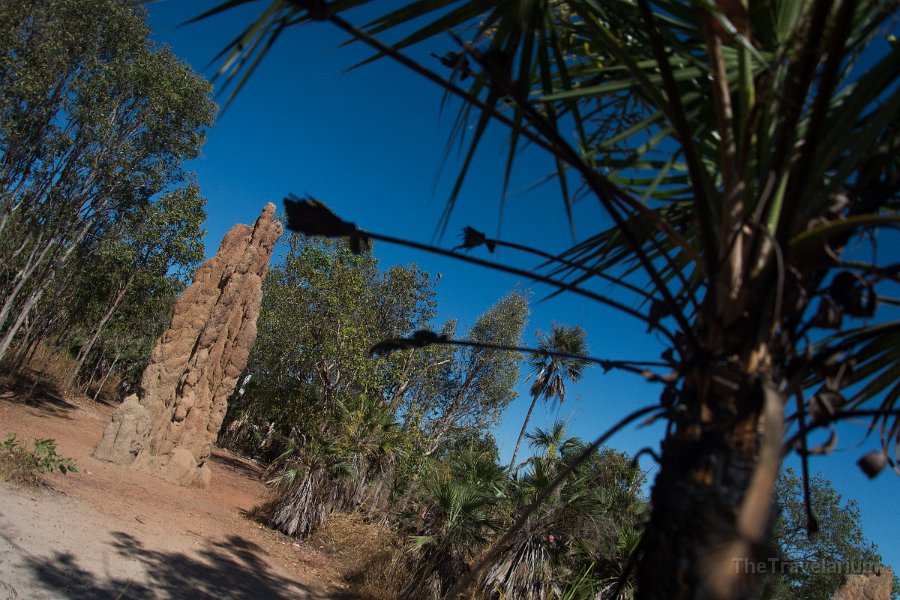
(24, 466)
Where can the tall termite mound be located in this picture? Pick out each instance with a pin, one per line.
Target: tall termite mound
(168, 427)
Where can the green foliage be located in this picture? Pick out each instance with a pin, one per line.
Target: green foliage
(312, 400)
(811, 562)
(348, 466)
(95, 123)
(23, 466)
(323, 309)
(581, 537)
(550, 370)
(126, 282)
(476, 383)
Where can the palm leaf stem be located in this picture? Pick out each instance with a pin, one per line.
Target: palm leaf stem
(827, 84)
(731, 250)
(522, 273)
(677, 115)
(551, 258)
(811, 525)
(799, 79)
(633, 366)
(607, 193)
(789, 444)
(553, 142)
(437, 79)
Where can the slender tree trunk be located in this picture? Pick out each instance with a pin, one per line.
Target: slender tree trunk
(98, 330)
(22, 277)
(512, 463)
(28, 350)
(24, 345)
(95, 372)
(107, 374)
(46, 277)
(33, 299)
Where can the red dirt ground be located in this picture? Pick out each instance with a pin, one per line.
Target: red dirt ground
(113, 532)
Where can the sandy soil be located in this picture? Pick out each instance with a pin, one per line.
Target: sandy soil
(113, 532)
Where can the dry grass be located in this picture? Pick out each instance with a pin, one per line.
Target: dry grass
(369, 556)
(51, 366)
(49, 369)
(15, 467)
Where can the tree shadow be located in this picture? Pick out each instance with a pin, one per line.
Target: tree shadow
(230, 568)
(43, 395)
(241, 466)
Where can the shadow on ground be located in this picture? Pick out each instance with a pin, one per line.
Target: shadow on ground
(242, 467)
(232, 568)
(43, 396)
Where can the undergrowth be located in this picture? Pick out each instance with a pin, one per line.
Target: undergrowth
(23, 466)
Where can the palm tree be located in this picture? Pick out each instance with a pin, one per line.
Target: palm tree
(350, 466)
(554, 443)
(576, 529)
(455, 523)
(745, 154)
(560, 358)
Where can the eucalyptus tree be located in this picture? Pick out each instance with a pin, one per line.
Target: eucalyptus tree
(479, 383)
(560, 356)
(806, 566)
(323, 308)
(759, 149)
(159, 239)
(94, 121)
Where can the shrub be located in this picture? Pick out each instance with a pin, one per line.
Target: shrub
(25, 466)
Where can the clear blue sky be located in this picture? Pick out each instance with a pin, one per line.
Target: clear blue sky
(371, 143)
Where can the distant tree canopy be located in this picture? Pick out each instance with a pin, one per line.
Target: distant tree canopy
(404, 438)
(324, 308)
(98, 219)
(338, 423)
(811, 561)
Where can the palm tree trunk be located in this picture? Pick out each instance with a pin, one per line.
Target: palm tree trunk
(512, 463)
(712, 509)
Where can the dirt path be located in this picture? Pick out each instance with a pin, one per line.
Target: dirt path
(112, 532)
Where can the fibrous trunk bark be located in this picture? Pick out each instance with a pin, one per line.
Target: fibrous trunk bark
(712, 508)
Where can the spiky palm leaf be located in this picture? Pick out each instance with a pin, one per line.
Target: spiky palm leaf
(456, 522)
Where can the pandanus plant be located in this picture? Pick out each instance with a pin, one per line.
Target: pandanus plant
(743, 153)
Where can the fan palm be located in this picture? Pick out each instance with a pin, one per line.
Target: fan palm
(757, 148)
(560, 357)
(349, 467)
(553, 442)
(577, 526)
(456, 520)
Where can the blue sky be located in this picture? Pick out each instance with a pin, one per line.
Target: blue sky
(371, 143)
